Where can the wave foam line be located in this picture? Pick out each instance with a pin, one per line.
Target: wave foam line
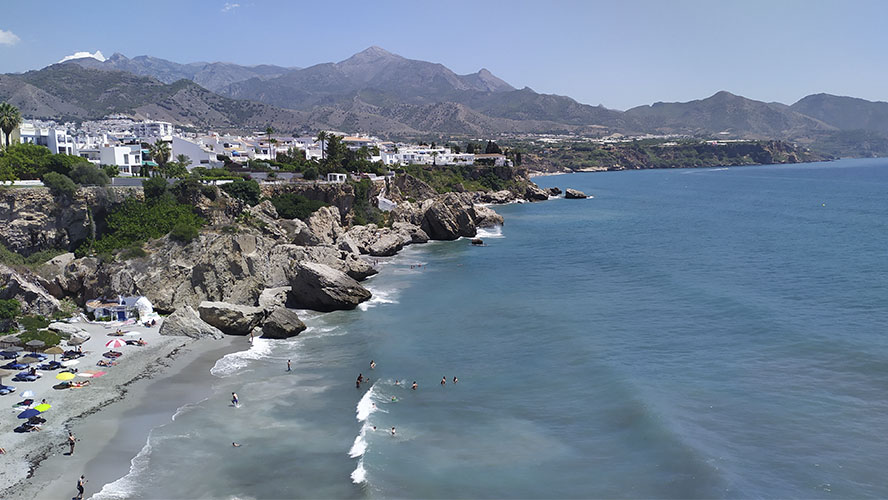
(359, 475)
(232, 363)
(379, 297)
(490, 232)
(366, 406)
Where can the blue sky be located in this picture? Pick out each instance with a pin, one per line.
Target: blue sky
(618, 53)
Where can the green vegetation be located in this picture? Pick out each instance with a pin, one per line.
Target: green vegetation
(49, 338)
(10, 118)
(183, 232)
(246, 191)
(11, 258)
(30, 161)
(60, 185)
(446, 178)
(87, 174)
(135, 221)
(9, 308)
(295, 206)
(365, 211)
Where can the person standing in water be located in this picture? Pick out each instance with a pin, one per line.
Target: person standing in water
(71, 442)
(288, 365)
(372, 364)
(359, 380)
(393, 431)
(414, 385)
(234, 399)
(443, 381)
(455, 380)
(81, 483)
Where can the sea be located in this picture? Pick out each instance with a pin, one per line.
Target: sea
(686, 333)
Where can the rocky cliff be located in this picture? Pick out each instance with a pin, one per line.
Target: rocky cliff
(31, 219)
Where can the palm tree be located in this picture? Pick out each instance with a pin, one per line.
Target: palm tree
(10, 118)
(183, 160)
(434, 155)
(322, 136)
(160, 152)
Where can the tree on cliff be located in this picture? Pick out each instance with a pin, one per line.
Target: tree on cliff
(10, 118)
(160, 152)
(322, 137)
(492, 148)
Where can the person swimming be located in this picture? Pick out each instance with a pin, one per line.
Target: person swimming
(455, 380)
(393, 431)
(359, 381)
(236, 445)
(414, 386)
(443, 381)
(372, 364)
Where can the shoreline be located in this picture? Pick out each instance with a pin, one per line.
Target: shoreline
(111, 418)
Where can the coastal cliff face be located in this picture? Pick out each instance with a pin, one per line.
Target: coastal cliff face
(31, 219)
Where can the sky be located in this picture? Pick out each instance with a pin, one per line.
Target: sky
(618, 53)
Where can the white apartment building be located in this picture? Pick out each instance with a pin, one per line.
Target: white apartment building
(127, 158)
(56, 139)
(422, 155)
(152, 129)
(199, 154)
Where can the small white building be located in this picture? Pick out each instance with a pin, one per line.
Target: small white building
(200, 155)
(127, 158)
(336, 177)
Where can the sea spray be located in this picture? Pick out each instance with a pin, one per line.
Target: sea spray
(491, 232)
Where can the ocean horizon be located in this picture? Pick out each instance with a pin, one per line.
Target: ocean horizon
(686, 333)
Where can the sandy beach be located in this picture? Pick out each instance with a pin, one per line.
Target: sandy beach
(111, 417)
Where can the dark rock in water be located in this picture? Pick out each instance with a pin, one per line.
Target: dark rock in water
(497, 197)
(322, 288)
(231, 318)
(534, 193)
(282, 323)
(573, 194)
(185, 321)
(553, 191)
(477, 242)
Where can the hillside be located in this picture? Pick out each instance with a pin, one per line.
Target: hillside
(845, 113)
(213, 76)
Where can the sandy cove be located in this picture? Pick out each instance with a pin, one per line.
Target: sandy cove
(36, 464)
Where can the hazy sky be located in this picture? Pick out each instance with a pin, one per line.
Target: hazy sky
(617, 53)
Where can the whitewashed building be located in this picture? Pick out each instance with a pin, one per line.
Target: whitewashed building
(56, 139)
(152, 129)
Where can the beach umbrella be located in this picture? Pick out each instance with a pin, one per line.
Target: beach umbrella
(29, 413)
(85, 374)
(65, 376)
(70, 362)
(111, 344)
(27, 360)
(42, 407)
(54, 350)
(76, 340)
(35, 344)
(28, 394)
(6, 373)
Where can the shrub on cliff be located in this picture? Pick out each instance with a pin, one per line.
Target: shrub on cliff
(9, 308)
(87, 174)
(247, 191)
(295, 206)
(183, 232)
(135, 221)
(59, 185)
(310, 174)
(154, 188)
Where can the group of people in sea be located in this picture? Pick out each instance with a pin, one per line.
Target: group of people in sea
(414, 386)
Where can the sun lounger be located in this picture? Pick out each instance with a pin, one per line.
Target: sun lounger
(6, 389)
(52, 365)
(14, 366)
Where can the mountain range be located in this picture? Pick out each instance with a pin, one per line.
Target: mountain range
(383, 93)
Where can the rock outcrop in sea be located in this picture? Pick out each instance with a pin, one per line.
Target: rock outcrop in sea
(574, 194)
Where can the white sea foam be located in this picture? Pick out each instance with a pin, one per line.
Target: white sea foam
(231, 364)
(359, 475)
(126, 487)
(360, 444)
(379, 297)
(366, 406)
(490, 232)
(186, 408)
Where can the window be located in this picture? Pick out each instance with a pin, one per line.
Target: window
(125, 159)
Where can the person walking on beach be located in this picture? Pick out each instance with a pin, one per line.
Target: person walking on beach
(234, 399)
(414, 386)
(71, 442)
(80, 484)
(288, 365)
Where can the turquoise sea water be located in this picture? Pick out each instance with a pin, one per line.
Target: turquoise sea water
(686, 333)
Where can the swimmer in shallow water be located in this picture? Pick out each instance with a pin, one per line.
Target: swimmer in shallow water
(455, 380)
(414, 386)
(234, 399)
(372, 364)
(443, 381)
(393, 431)
(236, 445)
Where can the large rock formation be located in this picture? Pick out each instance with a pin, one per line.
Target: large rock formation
(322, 288)
(496, 197)
(25, 288)
(282, 323)
(185, 321)
(66, 329)
(573, 194)
(384, 241)
(231, 318)
(534, 193)
(447, 216)
(553, 191)
(405, 187)
(324, 224)
(31, 219)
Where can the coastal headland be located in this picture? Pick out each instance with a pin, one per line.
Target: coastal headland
(241, 276)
